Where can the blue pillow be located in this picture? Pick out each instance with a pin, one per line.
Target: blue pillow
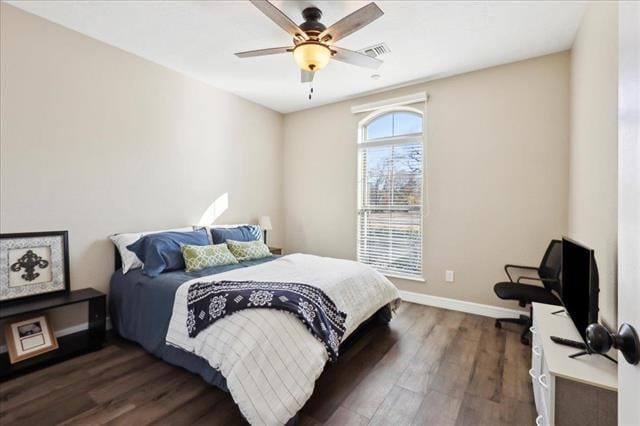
(162, 251)
(238, 233)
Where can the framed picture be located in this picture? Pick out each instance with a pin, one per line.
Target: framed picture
(29, 338)
(33, 264)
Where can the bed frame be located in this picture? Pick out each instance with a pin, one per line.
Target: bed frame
(117, 260)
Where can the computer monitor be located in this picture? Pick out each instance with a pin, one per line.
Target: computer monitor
(580, 285)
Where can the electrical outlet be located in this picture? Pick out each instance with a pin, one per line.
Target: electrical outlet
(449, 276)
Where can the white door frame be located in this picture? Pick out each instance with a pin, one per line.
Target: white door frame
(628, 201)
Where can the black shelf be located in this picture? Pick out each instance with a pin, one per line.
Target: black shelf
(9, 309)
(68, 346)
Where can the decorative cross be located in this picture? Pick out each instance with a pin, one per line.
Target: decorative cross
(28, 262)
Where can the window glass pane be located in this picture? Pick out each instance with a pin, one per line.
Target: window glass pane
(407, 175)
(406, 123)
(376, 171)
(390, 207)
(381, 127)
(394, 124)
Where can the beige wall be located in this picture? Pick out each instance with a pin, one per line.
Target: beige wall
(497, 174)
(98, 141)
(594, 148)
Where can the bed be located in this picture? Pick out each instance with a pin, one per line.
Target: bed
(265, 358)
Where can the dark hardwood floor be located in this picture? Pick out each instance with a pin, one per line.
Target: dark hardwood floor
(428, 367)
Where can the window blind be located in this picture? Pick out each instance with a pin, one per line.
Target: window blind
(390, 180)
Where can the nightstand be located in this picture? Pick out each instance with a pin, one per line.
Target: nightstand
(68, 346)
(275, 250)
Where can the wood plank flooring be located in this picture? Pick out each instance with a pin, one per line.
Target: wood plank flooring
(428, 367)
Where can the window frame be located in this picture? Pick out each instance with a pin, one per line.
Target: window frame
(363, 143)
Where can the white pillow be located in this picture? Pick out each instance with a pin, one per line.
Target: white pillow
(129, 258)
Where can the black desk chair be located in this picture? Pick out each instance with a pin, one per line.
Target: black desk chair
(525, 294)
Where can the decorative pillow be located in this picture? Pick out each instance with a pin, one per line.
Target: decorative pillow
(197, 258)
(238, 233)
(129, 258)
(161, 252)
(248, 250)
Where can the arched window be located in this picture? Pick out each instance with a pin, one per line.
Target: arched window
(390, 192)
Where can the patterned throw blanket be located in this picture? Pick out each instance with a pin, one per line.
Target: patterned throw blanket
(208, 302)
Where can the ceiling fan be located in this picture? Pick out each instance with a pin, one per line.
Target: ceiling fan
(313, 41)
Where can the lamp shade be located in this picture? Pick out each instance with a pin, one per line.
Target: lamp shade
(265, 223)
(311, 56)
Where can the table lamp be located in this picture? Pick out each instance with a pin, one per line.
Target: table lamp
(265, 224)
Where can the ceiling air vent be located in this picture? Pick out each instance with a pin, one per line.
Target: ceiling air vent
(376, 50)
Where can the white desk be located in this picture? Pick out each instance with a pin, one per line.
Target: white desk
(569, 391)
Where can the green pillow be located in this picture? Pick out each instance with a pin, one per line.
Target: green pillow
(197, 258)
(248, 250)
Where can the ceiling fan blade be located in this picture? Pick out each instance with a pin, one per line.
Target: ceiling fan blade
(355, 58)
(352, 22)
(282, 20)
(263, 52)
(306, 76)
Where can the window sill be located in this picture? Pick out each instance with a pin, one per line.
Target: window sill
(405, 277)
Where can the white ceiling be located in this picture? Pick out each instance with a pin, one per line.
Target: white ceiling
(427, 40)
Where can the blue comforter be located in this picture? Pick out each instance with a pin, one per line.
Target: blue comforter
(141, 308)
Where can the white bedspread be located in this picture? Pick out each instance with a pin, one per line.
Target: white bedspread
(268, 357)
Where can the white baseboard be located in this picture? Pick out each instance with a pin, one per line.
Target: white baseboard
(66, 331)
(460, 305)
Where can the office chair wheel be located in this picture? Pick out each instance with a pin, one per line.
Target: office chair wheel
(498, 324)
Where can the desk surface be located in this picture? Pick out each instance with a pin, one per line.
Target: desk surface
(593, 370)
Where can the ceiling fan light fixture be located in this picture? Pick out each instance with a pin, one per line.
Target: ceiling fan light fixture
(311, 55)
